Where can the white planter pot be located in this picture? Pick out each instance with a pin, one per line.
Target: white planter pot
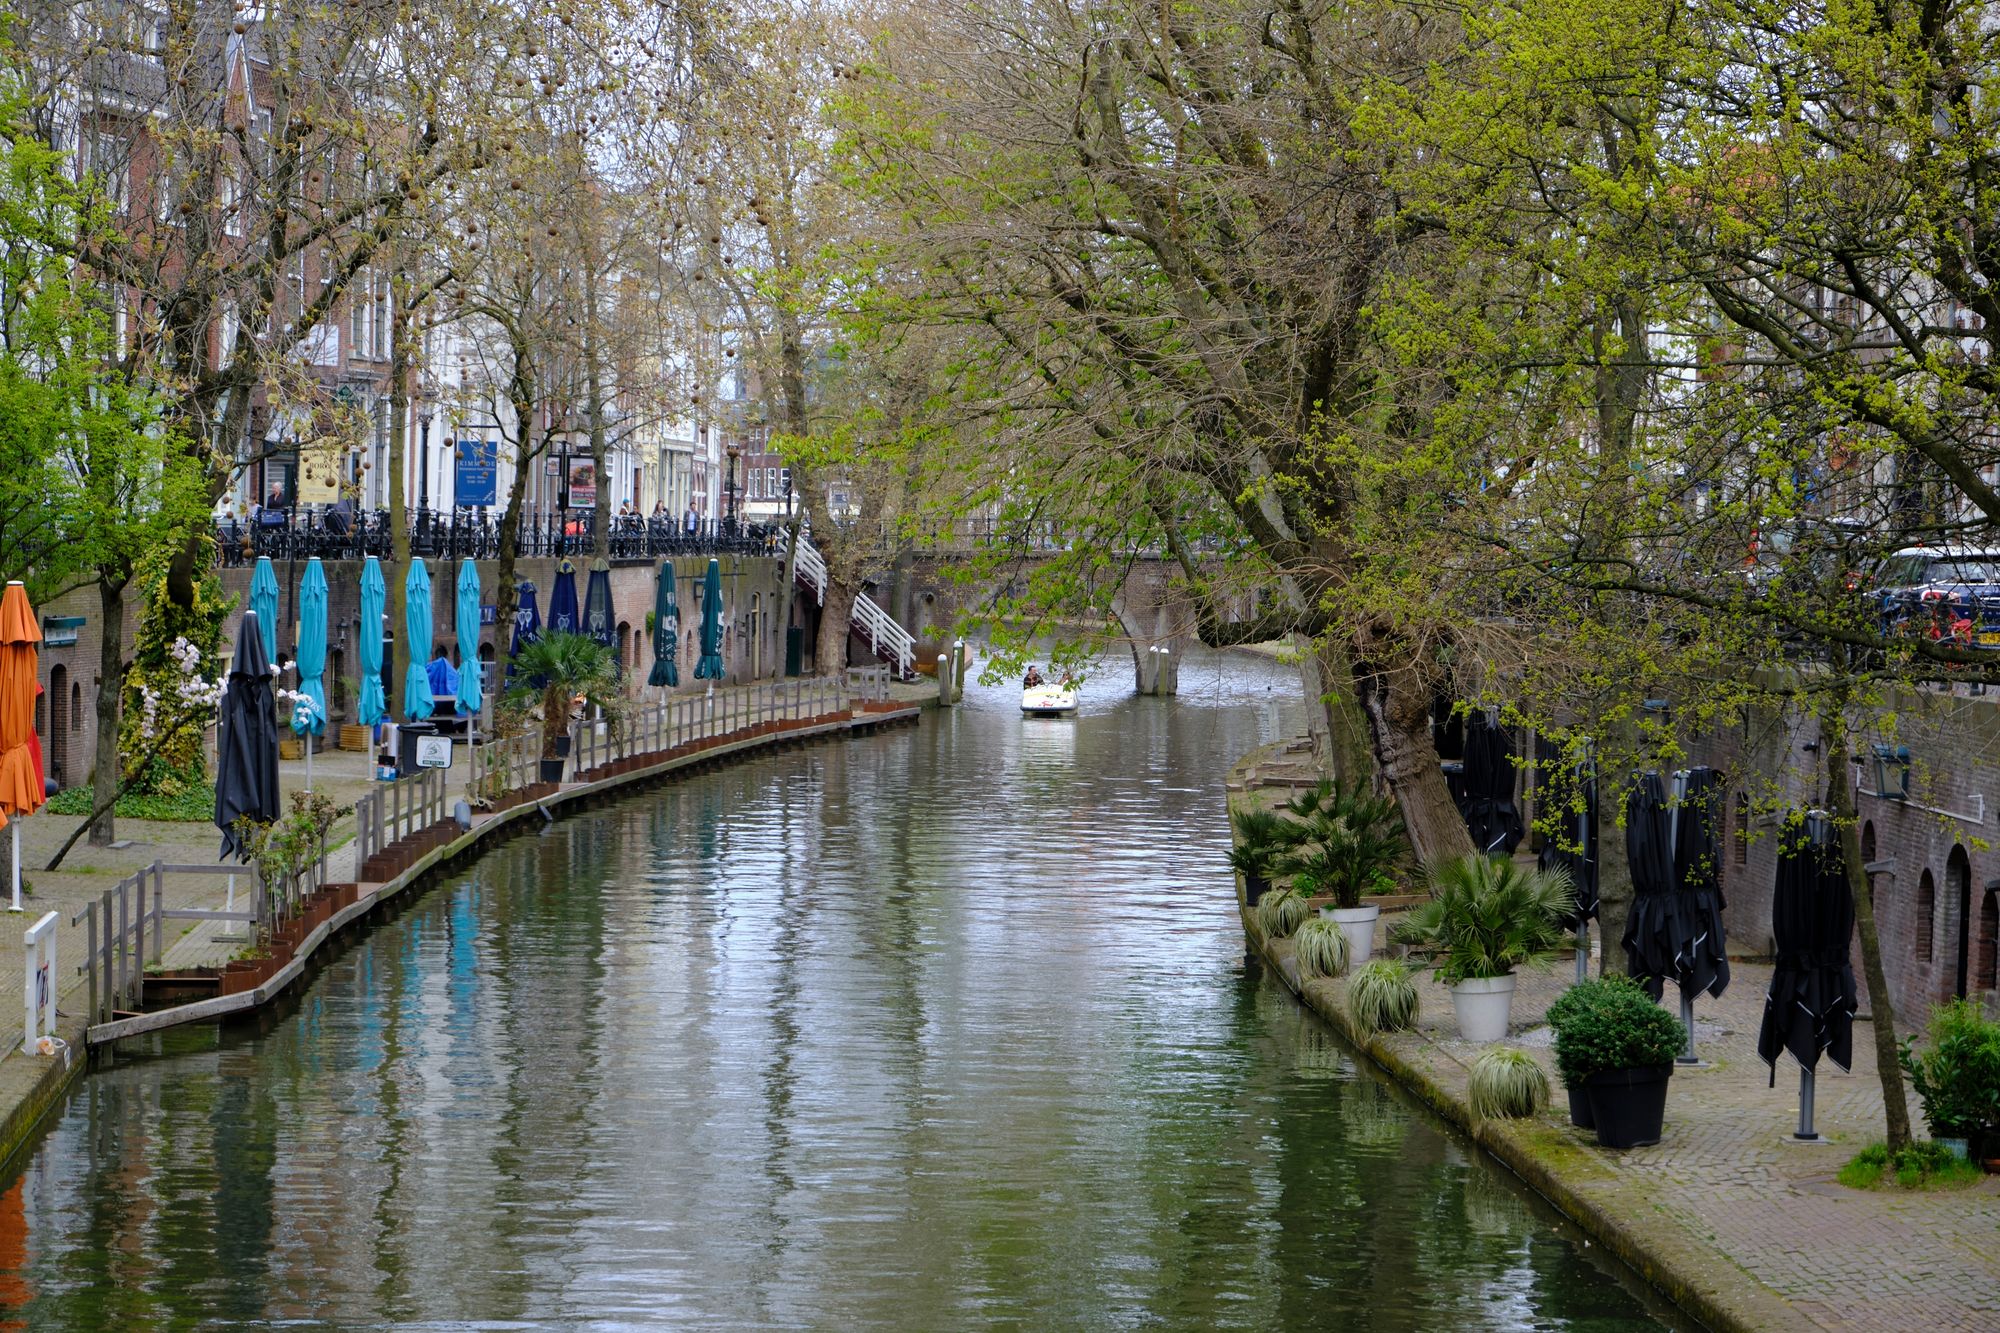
(1358, 924)
(1483, 1006)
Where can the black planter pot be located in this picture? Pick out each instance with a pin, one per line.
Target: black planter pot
(1579, 1107)
(1255, 887)
(1627, 1106)
(562, 746)
(552, 770)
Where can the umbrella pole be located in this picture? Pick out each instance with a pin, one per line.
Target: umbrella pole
(1806, 1130)
(1687, 1057)
(14, 854)
(1583, 951)
(309, 762)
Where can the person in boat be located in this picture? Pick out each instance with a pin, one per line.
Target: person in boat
(1033, 678)
(1070, 682)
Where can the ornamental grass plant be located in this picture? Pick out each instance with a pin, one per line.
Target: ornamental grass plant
(1321, 948)
(1383, 997)
(1507, 1084)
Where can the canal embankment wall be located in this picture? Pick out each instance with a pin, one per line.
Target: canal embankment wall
(31, 1085)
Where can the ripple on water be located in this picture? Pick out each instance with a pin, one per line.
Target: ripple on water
(943, 1028)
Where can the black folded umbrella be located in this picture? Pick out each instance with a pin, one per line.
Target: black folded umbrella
(246, 741)
(1490, 813)
(1700, 962)
(1650, 931)
(1810, 1006)
(1571, 795)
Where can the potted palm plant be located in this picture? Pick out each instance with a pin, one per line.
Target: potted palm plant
(558, 670)
(1616, 1045)
(1348, 844)
(1261, 836)
(1485, 918)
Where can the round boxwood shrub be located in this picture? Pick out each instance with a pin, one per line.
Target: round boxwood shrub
(1611, 1023)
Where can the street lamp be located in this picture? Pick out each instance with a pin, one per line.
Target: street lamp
(729, 488)
(423, 459)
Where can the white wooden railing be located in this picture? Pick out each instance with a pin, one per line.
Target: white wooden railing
(888, 640)
(652, 729)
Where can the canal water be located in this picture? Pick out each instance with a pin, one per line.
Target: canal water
(945, 1028)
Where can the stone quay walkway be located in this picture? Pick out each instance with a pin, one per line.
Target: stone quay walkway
(1739, 1223)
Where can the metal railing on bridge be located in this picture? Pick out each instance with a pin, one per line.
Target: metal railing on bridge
(330, 533)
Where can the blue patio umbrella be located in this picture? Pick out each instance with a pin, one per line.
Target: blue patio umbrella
(666, 630)
(374, 592)
(527, 622)
(417, 624)
(710, 665)
(597, 606)
(264, 601)
(310, 715)
(563, 615)
(465, 611)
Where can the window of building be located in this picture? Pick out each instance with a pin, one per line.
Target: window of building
(230, 193)
(361, 315)
(771, 482)
(106, 160)
(384, 301)
(1926, 922)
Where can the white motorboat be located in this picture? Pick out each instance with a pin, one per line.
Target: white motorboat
(1049, 700)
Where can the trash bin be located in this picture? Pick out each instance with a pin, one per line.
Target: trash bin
(406, 745)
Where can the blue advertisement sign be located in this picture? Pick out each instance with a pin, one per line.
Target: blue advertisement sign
(476, 475)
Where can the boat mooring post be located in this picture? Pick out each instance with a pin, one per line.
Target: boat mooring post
(944, 675)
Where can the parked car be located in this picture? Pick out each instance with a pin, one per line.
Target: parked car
(1942, 592)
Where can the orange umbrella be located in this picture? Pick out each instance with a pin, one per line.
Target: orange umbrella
(20, 792)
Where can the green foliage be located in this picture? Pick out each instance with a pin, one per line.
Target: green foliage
(193, 802)
(1506, 1084)
(1348, 842)
(1957, 1071)
(1487, 917)
(1611, 1023)
(284, 848)
(1280, 912)
(1920, 1166)
(559, 669)
(163, 746)
(1383, 997)
(1321, 948)
(1261, 837)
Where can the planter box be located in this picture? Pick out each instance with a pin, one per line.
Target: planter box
(247, 975)
(1628, 1106)
(356, 738)
(291, 747)
(1579, 1108)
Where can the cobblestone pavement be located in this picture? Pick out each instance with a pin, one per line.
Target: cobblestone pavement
(1730, 1173)
(1728, 1178)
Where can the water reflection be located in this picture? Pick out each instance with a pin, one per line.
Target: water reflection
(942, 1029)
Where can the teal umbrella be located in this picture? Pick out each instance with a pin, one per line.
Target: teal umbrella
(465, 610)
(710, 665)
(310, 714)
(417, 624)
(666, 630)
(374, 593)
(264, 601)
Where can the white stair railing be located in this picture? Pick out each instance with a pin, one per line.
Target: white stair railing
(889, 641)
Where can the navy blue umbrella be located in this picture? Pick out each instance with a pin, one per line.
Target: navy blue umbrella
(563, 615)
(1650, 934)
(527, 622)
(597, 622)
(246, 742)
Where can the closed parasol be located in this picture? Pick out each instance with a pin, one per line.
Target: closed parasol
(563, 616)
(666, 630)
(710, 665)
(21, 789)
(1490, 813)
(374, 701)
(598, 622)
(264, 601)
(1809, 1009)
(417, 625)
(465, 616)
(246, 742)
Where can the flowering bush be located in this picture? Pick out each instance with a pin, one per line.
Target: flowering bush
(169, 696)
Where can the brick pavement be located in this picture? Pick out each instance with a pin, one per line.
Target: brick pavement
(1729, 1187)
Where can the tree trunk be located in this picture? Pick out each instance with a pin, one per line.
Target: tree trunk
(399, 507)
(594, 413)
(104, 773)
(1398, 714)
(1339, 729)
(1614, 876)
(830, 652)
(1840, 803)
(788, 594)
